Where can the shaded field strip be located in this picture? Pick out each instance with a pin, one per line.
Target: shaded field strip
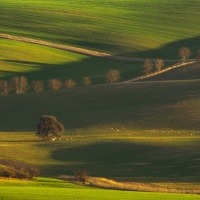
(130, 186)
(76, 49)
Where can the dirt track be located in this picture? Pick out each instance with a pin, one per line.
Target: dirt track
(75, 49)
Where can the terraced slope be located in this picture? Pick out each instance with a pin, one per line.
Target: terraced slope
(136, 28)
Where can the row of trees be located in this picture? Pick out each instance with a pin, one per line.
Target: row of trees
(153, 65)
(157, 65)
(20, 84)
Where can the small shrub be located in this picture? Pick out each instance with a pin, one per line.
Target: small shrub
(70, 83)
(19, 85)
(4, 87)
(81, 175)
(37, 86)
(54, 84)
(113, 76)
(184, 53)
(159, 64)
(86, 81)
(148, 66)
(14, 169)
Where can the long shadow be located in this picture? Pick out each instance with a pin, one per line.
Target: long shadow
(169, 51)
(123, 159)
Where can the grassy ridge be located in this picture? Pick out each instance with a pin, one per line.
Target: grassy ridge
(43, 63)
(134, 28)
(55, 189)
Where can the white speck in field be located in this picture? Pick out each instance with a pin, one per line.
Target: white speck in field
(117, 129)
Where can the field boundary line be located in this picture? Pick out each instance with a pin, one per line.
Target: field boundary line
(163, 71)
(76, 49)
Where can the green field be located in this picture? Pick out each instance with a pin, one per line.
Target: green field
(47, 189)
(44, 63)
(114, 129)
(129, 27)
(146, 132)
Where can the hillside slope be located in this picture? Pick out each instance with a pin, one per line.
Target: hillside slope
(173, 105)
(136, 28)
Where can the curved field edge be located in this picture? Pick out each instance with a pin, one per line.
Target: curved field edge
(55, 189)
(136, 28)
(38, 62)
(188, 71)
(75, 49)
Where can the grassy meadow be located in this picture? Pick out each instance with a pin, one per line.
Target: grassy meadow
(55, 189)
(43, 63)
(129, 27)
(146, 132)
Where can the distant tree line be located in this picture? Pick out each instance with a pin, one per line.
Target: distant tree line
(20, 84)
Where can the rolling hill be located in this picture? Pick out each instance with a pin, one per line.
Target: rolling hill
(146, 131)
(135, 28)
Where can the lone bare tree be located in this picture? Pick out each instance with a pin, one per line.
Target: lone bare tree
(54, 84)
(19, 85)
(184, 53)
(49, 125)
(70, 83)
(113, 76)
(159, 64)
(4, 87)
(37, 86)
(86, 81)
(148, 66)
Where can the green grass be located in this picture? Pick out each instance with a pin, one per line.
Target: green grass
(136, 28)
(44, 63)
(144, 105)
(55, 189)
(146, 131)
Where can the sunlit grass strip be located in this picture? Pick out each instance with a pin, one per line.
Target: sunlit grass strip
(50, 189)
(134, 186)
(120, 27)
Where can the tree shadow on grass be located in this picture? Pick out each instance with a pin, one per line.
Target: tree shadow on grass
(126, 159)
